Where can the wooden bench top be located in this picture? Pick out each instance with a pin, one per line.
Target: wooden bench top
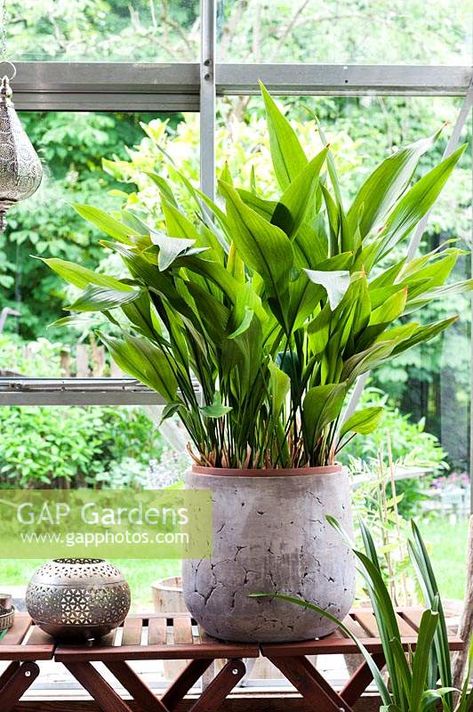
(25, 641)
(156, 636)
(362, 623)
(175, 636)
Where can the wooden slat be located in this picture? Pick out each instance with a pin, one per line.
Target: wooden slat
(405, 628)
(325, 646)
(367, 620)
(158, 652)
(132, 631)
(38, 637)
(182, 630)
(157, 631)
(17, 632)
(354, 627)
(413, 616)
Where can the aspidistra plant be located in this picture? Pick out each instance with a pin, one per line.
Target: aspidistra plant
(273, 307)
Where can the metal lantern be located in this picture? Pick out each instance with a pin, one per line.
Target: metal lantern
(20, 168)
(78, 598)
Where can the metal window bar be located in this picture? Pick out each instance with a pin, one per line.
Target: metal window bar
(84, 86)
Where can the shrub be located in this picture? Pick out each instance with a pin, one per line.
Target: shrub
(73, 446)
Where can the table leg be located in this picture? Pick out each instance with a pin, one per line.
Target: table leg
(185, 681)
(215, 694)
(360, 680)
(139, 691)
(103, 693)
(8, 672)
(309, 682)
(18, 680)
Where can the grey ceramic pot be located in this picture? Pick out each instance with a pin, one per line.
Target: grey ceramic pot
(78, 598)
(270, 534)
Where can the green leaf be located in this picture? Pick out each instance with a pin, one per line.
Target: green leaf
(364, 421)
(426, 578)
(101, 299)
(367, 360)
(335, 283)
(421, 661)
(177, 224)
(106, 223)
(244, 324)
(265, 208)
(279, 387)
(142, 360)
(217, 409)
(169, 248)
(384, 185)
(321, 406)
(264, 247)
(82, 277)
(288, 156)
(299, 197)
(424, 333)
(164, 187)
(417, 202)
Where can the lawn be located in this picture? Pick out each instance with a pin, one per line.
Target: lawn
(446, 542)
(447, 549)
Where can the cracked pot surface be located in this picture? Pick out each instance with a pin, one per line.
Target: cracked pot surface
(270, 534)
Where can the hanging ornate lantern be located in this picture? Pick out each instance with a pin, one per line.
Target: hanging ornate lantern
(20, 168)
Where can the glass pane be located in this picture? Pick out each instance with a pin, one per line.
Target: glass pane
(85, 447)
(103, 30)
(374, 32)
(71, 147)
(427, 389)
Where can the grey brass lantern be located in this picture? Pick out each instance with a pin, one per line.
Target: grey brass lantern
(78, 598)
(20, 168)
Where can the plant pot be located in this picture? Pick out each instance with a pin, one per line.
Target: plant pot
(270, 534)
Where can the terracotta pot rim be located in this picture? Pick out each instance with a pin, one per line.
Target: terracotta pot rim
(281, 472)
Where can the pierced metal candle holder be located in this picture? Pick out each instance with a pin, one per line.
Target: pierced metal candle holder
(78, 598)
(20, 168)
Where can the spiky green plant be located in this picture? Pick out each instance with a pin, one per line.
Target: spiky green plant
(422, 680)
(274, 306)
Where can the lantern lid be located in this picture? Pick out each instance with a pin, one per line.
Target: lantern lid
(5, 91)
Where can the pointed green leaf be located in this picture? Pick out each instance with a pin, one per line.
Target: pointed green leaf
(142, 360)
(384, 185)
(279, 387)
(82, 277)
(364, 421)
(106, 223)
(288, 156)
(101, 299)
(322, 405)
(335, 284)
(417, 202)
(299, 197)
(169, 248)
(264, 247)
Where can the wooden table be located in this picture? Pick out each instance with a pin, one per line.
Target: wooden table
(157, 637)
(22, 645)
(175, 637)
